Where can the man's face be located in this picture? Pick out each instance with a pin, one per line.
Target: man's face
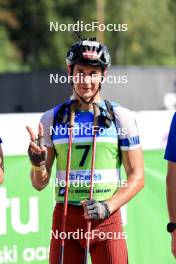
(86, 80)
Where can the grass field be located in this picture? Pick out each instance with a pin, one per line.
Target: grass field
(148, 241)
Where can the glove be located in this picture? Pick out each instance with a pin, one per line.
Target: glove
(37, 159)
(95, 210)
(37, 152)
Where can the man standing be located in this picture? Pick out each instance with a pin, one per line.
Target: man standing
(1, 164)
(170, 155)
(116, 140)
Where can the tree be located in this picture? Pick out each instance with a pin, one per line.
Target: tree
(150, 36)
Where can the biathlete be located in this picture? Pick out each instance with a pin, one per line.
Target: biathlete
(89, 137)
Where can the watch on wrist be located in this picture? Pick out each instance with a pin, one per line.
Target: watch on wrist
(171, 227)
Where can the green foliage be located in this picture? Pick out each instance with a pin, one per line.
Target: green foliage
(150, 39)
(10, 57)
(27, 43)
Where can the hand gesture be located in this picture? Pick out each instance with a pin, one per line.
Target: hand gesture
(37, 152)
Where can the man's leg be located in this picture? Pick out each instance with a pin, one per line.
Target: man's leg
(72, 249)
(109, 252)
(73, 252)
(112, 249)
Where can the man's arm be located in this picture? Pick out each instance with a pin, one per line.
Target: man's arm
(1, 166)
(40, 177)
(134, 167)
(171, 190)
(171, 198)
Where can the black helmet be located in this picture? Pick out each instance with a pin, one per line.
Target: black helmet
(89, 51)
